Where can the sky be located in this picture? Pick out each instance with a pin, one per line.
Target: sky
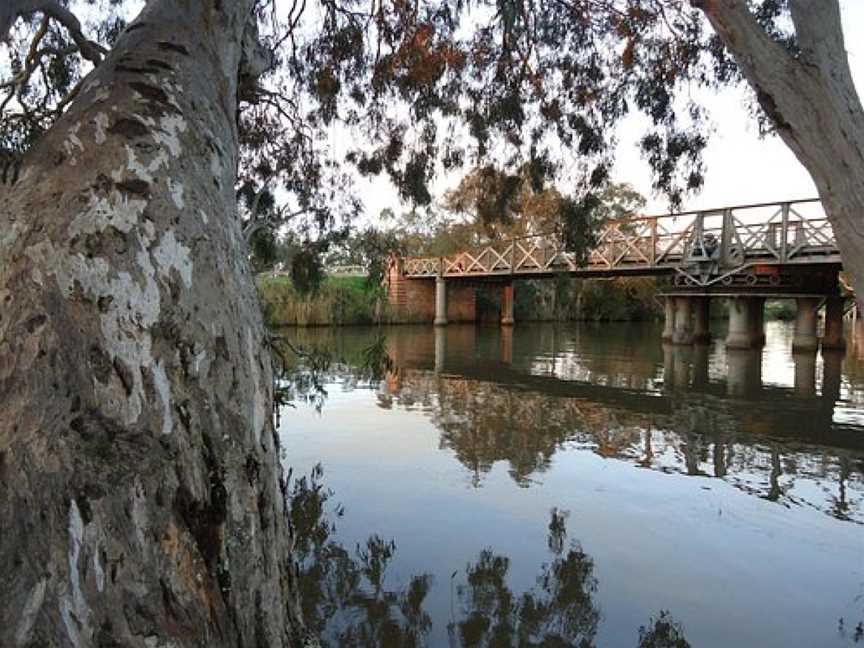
(741, 168)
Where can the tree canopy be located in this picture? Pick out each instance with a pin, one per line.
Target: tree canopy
(524, 91)
(519, 89)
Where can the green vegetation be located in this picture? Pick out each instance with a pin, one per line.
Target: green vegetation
(566, 298)
(780, 309)
(336, 301)
(294, 299)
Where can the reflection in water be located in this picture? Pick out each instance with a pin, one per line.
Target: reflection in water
(347, 602)
(689, 426)
(755, 437)
(343, 593)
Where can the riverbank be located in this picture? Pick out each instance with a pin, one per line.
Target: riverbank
(342, 301)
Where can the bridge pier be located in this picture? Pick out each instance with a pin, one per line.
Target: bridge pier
(805, 373)
(701, 321)
(743, 371)
(507, 304)
(701, 353)
(832, 374)
(745, 324)
(757, 320)
(440, 301)
(805, 338)
(669, 321)
(833, 338)
(683, 321)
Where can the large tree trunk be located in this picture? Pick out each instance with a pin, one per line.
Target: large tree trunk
(812, 102)
(140, 499)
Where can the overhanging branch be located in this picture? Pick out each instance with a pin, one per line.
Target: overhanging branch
(12, 9)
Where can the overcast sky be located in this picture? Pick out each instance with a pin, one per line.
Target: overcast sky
(741, 167)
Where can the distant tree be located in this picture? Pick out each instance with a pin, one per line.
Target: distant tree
(503, 205)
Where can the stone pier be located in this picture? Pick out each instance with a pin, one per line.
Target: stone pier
(701, 321)
(832, 374)
(701, 356)
(743, 371)
(833, 338)
(806, 338)
(757, 320)
(669, 321)
(745, 323)
(683, 321)
(805, 373)
(507, 304)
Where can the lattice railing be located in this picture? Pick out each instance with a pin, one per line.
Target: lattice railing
(724, 239)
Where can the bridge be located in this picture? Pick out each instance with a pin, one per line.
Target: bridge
(744, 253)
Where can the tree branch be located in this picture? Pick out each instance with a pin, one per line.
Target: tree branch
(90, 50)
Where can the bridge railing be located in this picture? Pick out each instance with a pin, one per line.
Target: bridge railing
(728, 238)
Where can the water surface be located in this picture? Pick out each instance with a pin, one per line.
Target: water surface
(574, 485)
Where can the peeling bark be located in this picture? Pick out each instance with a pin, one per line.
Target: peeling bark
(813, 102)
(133, 388)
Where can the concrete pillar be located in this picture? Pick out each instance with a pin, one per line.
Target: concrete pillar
(701, 322)
(683, 321)
(741, 325)
(440, 301)
(757, 320)
(805, 373)
(833, 338)
(805, 325)
(440, 348)
(507, 304)
(669, 321)
(743, 372)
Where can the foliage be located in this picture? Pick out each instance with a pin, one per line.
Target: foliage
(517, 90)
(662, 632)
(336, 301)
(567, 298)
(780, 309)
(368, 248)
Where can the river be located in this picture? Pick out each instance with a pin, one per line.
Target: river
(575, 485)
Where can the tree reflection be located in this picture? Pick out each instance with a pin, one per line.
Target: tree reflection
(662, 632)
(483, 422)
(348, 601)
(301, 372)
(558, 611)
(343, 593)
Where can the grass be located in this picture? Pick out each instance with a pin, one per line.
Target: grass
(338, 301)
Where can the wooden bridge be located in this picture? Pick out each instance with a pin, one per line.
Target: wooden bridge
(723, 241)
(746, 251)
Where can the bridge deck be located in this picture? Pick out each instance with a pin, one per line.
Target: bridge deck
(703, 247)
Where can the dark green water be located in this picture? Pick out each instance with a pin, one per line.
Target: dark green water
(569, 485)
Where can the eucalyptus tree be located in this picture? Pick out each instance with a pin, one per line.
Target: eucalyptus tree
(141, 494)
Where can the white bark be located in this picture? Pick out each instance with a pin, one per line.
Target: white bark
(140, 500)
(813, 103)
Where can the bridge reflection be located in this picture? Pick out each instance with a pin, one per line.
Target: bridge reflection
(779, 443)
